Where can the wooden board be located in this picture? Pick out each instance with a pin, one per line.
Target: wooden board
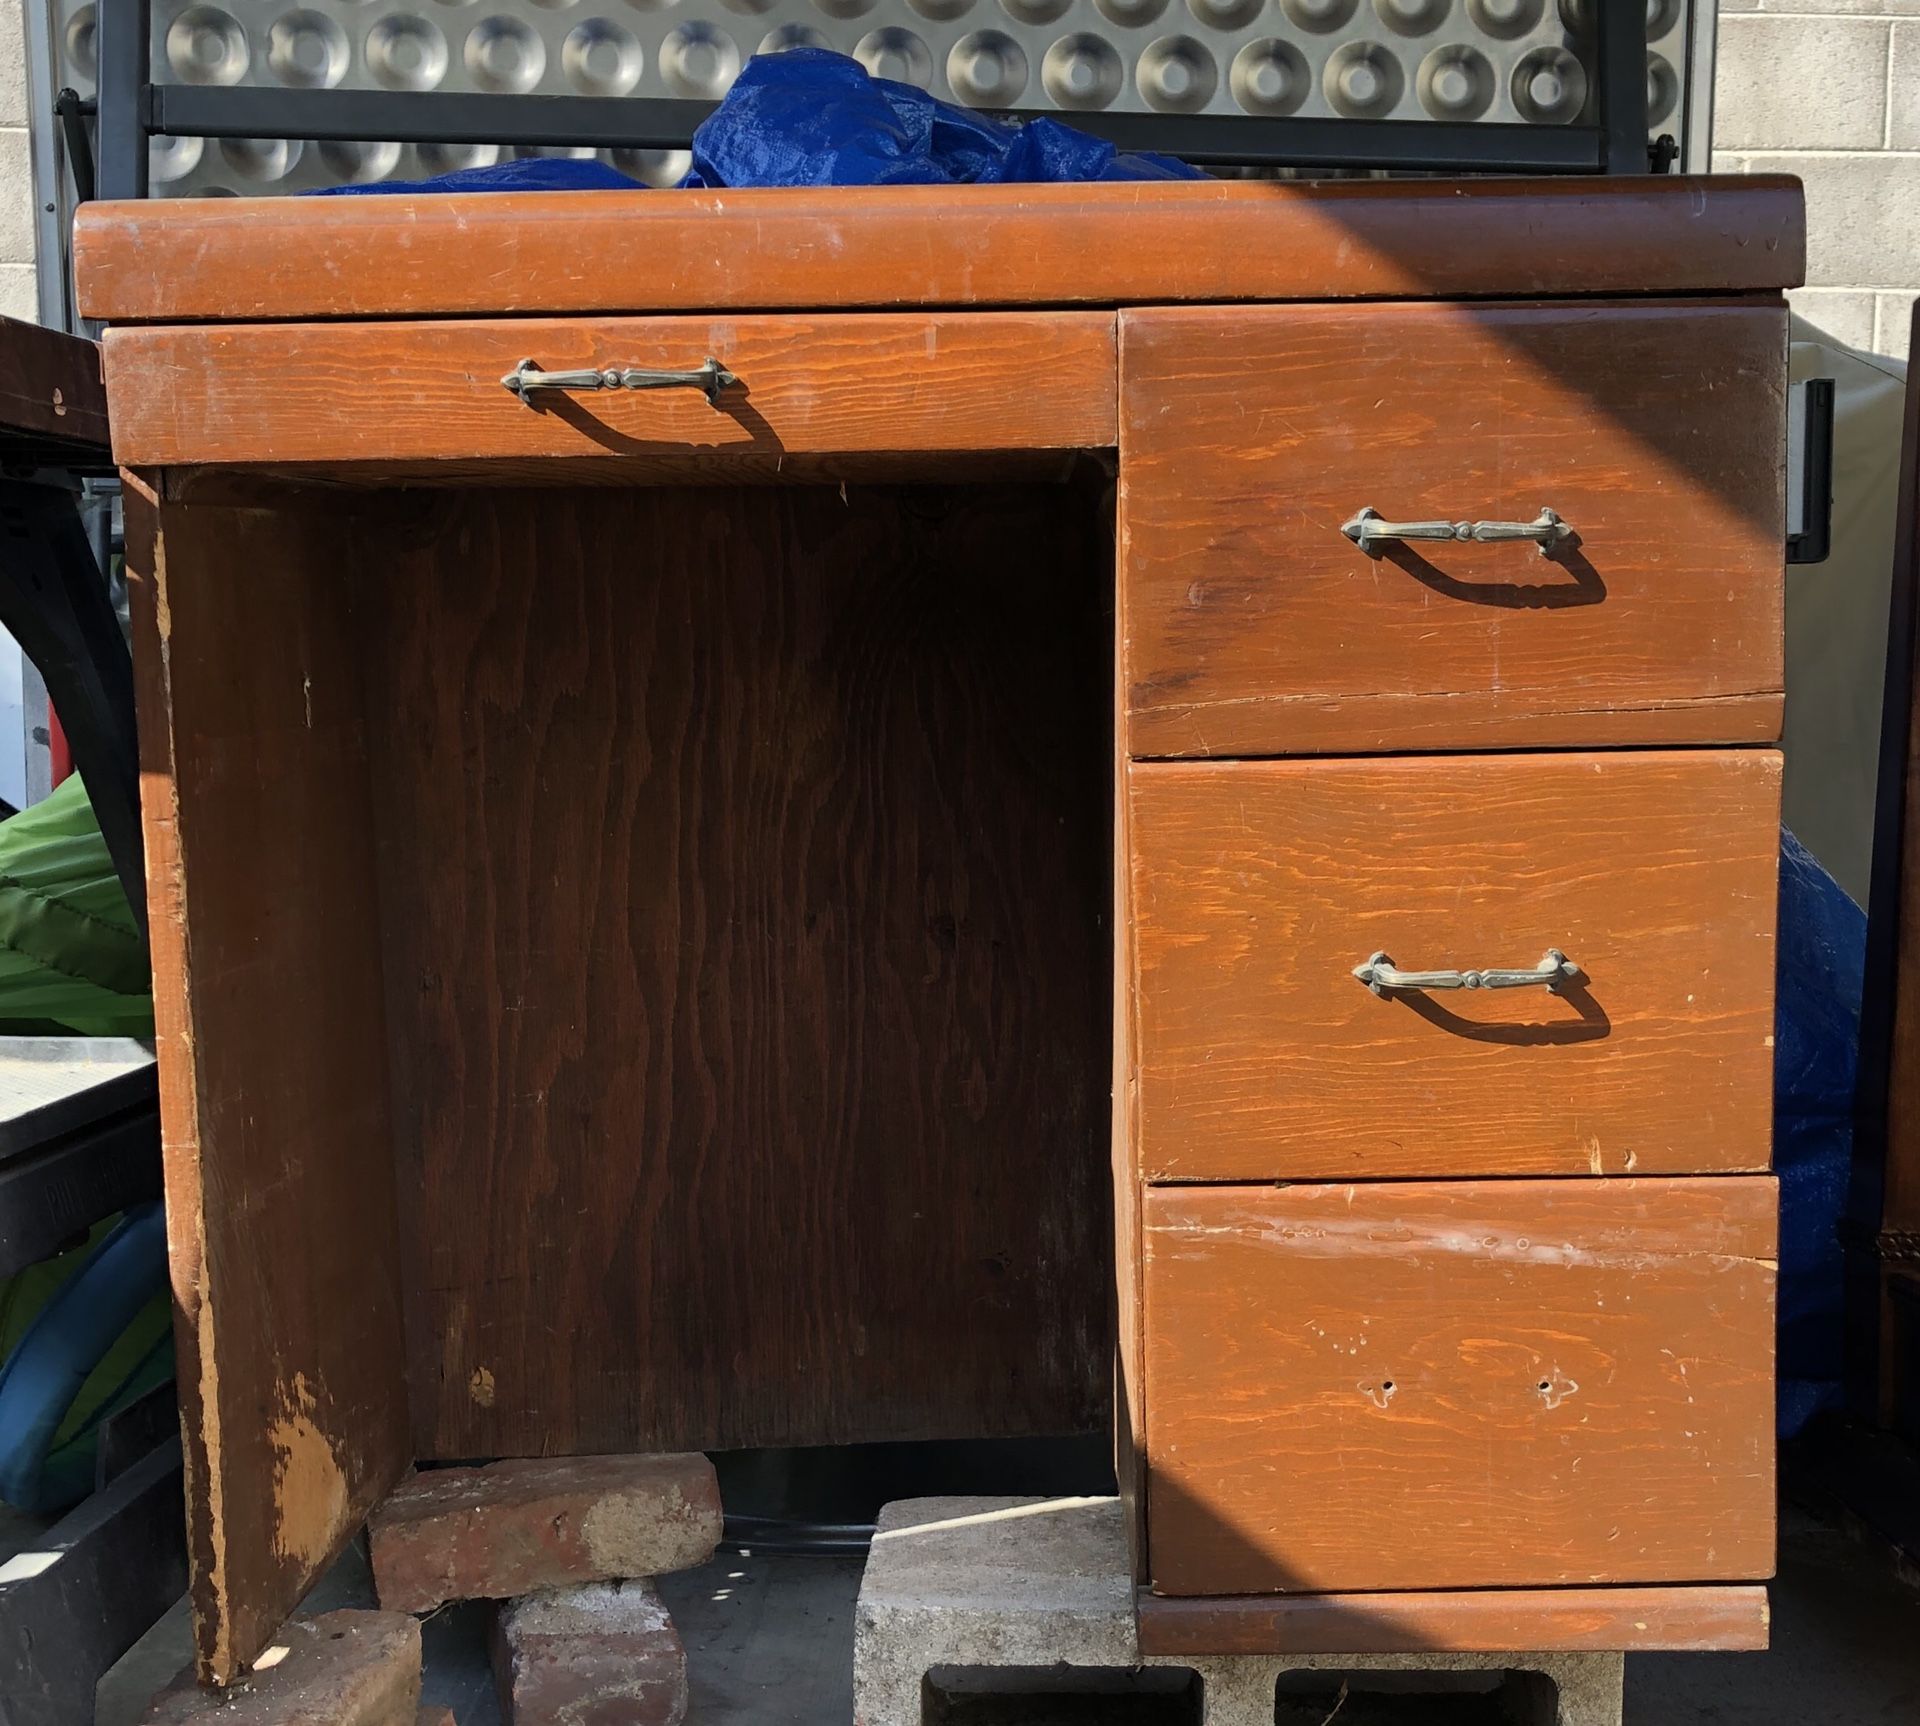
(1460, 1384)
(1251, 435)
(745, 866)
(1259, 886)
(957, 382)
(50, 390)
(282, 1232)
(558, 252)
(1489, 1621)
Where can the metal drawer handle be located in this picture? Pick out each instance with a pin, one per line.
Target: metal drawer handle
(710, 377)
(1370, 530)
(1381, 975)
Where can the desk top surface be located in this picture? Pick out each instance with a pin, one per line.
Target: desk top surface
(411, 255)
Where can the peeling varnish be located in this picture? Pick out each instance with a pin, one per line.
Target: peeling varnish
(309, 1486)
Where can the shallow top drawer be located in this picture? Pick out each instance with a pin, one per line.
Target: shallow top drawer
(520, 388)
(1265, 612)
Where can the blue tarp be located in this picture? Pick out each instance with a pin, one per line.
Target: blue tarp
(809, 117)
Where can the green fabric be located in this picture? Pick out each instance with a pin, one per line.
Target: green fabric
(71, 955)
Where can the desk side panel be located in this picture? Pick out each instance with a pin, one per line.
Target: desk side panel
(268, 1005)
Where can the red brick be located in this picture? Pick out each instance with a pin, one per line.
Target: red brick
(603, 1655)
(340, 1669)
(515, 1527)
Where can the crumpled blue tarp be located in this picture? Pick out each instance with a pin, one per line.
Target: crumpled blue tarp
(1820, 961)
(810, 117)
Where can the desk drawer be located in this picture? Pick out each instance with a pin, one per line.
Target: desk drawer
(1459, 1384)
(1250, 436)
(830, 384)
(1258, 887)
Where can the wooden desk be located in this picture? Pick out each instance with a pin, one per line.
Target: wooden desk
(648, 889)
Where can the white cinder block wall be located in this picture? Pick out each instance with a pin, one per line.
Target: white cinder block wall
(1830, 90)
(1826, 89)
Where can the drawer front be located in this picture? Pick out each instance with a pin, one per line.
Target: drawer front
(1459, 1384)
(822, 385)
(1250, 437)
(1259, 887)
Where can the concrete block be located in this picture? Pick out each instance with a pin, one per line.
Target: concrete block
(16, 197)
(13, 62)
(1860, 227)
(1824, 8)
(1786, 83)
(1845, 314)
(606, 1654)
(340, 1669)
(1893, 324)
(995, 1593)
(516, 1527)
(19, 293)
(1903, 86)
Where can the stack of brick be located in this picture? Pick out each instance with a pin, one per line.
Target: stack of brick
(569, 1547)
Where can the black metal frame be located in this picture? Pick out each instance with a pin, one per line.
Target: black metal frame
(130, 109)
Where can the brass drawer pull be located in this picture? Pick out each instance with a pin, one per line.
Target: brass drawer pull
(710, 377)
(1381, 975)
(1370, 530)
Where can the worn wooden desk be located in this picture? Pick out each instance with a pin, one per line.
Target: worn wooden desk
(648, 887)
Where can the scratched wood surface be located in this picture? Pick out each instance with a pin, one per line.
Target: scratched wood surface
(1259, 886)
(744, 879)
(1250, 435)
(50, 389)
(1490, 1621)
(277, 1139)
(558, 252)
(432, 391)
(1460, 1384)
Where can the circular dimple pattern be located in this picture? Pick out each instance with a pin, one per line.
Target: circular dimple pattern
(1130, 14)
(1549, 87)
(653, 167)
(601, 58)
(451, 158)
(1319, 16)
(82, 48)
(504, 55)
(358, 164)
(1663, 90)
(1082, 72)
(406, 53)
(897, 54)
(987, 69)
(1506, 19)
(1176, 75)
(699, 59)
(308, 50)
(207, 46)
(170, 159)
(1442, 60)
(264, 159)
(1270, 78)
(1412, 17)
(1456, 83)
(1225, 14)
(1363, 81)
(785, 36)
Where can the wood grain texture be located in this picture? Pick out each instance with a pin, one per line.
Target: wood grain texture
(431, 391)
(745, 866)
(1483, 1621)
(1259, 886)
(50, 388)
(1460, 1384)
(559, 252)
(282, 1232)
(1250, 435)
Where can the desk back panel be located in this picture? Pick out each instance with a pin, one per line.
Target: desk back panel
(744, 858)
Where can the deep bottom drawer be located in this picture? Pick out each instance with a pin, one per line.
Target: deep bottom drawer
(1459, 1384)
